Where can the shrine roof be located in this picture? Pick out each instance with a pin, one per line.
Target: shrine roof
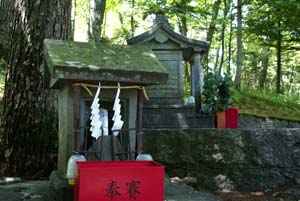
(82, 61)
(162, 31)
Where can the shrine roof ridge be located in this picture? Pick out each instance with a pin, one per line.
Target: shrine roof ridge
(162, 25)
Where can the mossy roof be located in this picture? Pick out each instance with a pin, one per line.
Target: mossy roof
(68, 60)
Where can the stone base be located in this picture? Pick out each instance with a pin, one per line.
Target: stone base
(60, 190)
(254, 159)
(164, 101)
(175, 116)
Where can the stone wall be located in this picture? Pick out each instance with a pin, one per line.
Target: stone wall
(250, 122)
(255, 159)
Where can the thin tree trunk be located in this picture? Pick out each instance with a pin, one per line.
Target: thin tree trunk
(237, 82)
(222, 48)
(265, 65)
(132, 21)
(74, 19)
(217, 59)
(225, 13)
(104, 25)
(97, 10)
(183, 25)
(212, 28)
(230, 41)
(278, 53)
(291, 78)
(29, 122)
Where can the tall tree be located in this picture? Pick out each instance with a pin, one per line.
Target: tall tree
(97, 10)
(276, 24)
(211, 29)
(265, 65)
(212, 25)
(230, 40)
(237, 81)
(28, 123)
(227, 4)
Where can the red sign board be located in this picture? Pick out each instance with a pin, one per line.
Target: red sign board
(119, 181)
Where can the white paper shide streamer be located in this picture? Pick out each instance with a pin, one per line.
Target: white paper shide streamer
(118, 123)
(96, 122)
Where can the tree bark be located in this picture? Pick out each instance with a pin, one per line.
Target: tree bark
(5, 17)
(97, 10)
(28, 129)
(237, 82)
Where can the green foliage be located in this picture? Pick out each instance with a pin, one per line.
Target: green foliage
(266, 104)
(216, 92)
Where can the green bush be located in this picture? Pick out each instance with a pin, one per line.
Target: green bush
(216, 93)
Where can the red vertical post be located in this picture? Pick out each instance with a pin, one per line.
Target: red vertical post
(140, 120)
(77, 118)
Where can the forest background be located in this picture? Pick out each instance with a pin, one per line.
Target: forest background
(256, 41)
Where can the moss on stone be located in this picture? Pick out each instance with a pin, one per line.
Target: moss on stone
(94, 57)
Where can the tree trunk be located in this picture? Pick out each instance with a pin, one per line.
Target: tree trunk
(217, 59)
(132, 21)
(29, 120)
(212, 28)
(97, 9)
(226, 10)
(265, 65)
(237, 82)
(278, 53)
(230, 41)
(183, 26)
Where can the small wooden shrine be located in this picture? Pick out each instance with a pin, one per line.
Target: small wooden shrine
(76, 68)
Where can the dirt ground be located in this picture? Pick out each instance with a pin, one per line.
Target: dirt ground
(290, 194)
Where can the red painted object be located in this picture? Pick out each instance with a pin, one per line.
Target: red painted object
(232, 118)
(119, 181)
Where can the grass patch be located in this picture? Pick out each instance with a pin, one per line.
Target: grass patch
(263, 104)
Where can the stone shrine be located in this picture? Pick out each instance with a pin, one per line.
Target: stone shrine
(168, 99)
